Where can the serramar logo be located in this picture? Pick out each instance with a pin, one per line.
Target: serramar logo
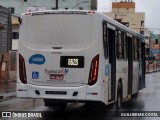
(37, 59)
(61, 71)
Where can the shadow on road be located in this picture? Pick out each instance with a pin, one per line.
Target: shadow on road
(94, 113)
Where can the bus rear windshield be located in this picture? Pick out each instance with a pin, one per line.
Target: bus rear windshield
(59, 30)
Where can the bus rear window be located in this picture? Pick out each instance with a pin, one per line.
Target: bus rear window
(59, 30)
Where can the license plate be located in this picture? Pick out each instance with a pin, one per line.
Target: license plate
(56, 77)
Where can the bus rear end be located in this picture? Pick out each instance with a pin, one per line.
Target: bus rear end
(58, 56)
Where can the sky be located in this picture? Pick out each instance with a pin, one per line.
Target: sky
(150, 7)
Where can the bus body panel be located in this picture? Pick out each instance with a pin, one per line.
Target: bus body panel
(122, 73)
(135, 87)
(43, 61)
(84, 92)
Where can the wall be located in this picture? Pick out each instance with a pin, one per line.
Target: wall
(21, 6)
(6, 32)
(8, 63)
(134, 19)
(125, 12)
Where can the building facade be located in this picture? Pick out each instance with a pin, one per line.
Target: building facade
(17, 7)
(154, 45)
(5, 30)
(15, 32)
(124, 12)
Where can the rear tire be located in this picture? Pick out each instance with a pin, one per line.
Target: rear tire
(134, 96)
(119, 96)
(140, 83)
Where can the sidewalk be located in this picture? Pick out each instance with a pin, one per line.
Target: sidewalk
(7, 90)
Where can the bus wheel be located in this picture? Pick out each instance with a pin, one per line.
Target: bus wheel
(134, 96)
(140, 83)
(119, 96)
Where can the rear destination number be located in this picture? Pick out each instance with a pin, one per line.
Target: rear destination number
(73, 62)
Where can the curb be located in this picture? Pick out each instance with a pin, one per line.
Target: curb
(152, 72)
(7, 97)
(8, 81)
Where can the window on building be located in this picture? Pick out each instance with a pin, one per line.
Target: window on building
(146, 37)
(1, 26)
(142, 32)
(156, 41)
(15, 35)
(142, 23)
(11, 9)
(126, 24)
(119, 20)
(147, 51)
(80, 8)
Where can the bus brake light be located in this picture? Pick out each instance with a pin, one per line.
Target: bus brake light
(93, 75)
(91, 12)
(22, 69)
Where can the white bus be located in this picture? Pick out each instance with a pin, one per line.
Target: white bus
(70, 56)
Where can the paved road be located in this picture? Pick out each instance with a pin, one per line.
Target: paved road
(148, 100)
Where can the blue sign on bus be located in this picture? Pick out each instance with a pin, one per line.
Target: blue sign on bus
(37, 59)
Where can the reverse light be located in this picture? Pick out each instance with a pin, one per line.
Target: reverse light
(22, 69)
(93, 75)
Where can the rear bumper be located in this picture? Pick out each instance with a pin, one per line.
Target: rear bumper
(60, 93)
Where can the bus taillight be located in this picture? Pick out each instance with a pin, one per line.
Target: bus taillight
(22, 70)
(93, 75)
(91, 12)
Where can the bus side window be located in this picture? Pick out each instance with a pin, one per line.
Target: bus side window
(140, 53)
(125, 46)
(135, 48)
(119, 50)
(138, 48)
(105, 40)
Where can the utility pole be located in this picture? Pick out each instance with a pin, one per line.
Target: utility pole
(56, 4)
